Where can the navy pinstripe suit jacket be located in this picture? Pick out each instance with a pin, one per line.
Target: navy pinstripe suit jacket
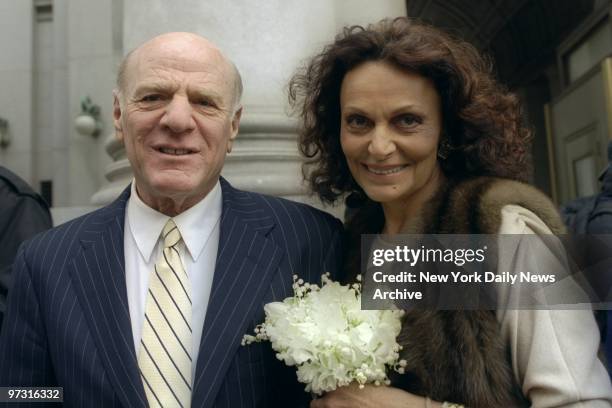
(68, 322)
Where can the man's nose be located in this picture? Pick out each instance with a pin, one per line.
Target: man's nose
(178, 117)
(381, 144)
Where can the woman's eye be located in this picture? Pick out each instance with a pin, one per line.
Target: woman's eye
(408, 120)
(358, 121)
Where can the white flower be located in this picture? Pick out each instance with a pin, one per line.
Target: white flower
(332, 342)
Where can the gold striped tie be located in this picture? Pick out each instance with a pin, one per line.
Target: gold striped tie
(165, 347)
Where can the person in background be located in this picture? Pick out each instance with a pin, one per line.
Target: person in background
(593, 215)
(23, 214)
(411, 123)
(600, 222)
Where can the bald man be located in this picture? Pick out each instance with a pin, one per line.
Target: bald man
(145, 302)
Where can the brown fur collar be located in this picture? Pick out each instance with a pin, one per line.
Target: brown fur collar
(459, 356)
(474, 206)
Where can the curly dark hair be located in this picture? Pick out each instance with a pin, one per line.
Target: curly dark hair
(482, 122)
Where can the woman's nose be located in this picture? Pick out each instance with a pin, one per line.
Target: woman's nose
(381, 145)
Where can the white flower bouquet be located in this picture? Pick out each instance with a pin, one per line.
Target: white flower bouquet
(332, 342)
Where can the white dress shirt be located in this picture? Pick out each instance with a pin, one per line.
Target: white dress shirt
(199, 227)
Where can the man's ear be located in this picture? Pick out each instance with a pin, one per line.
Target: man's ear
(117, 115)
(234, 130)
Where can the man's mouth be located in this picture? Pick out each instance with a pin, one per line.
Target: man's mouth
(174, 152)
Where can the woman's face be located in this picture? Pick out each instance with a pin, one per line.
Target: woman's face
(390, 129)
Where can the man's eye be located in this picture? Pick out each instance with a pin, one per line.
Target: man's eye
(358, 122)
(204, 102)
(151, 98)
(408, 120)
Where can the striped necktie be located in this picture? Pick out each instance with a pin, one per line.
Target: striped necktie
(165, 347)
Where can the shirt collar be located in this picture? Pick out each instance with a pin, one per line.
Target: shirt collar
(195, 225)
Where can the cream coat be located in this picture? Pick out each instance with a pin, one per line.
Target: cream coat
(553, 352)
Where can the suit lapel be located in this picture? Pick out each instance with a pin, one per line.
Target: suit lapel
(246, 262)
(98, 275)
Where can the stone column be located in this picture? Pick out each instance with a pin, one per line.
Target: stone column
(267, 41)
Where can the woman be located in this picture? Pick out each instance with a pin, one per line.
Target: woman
(409, 123)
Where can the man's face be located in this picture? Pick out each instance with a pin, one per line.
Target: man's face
(176, 116)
